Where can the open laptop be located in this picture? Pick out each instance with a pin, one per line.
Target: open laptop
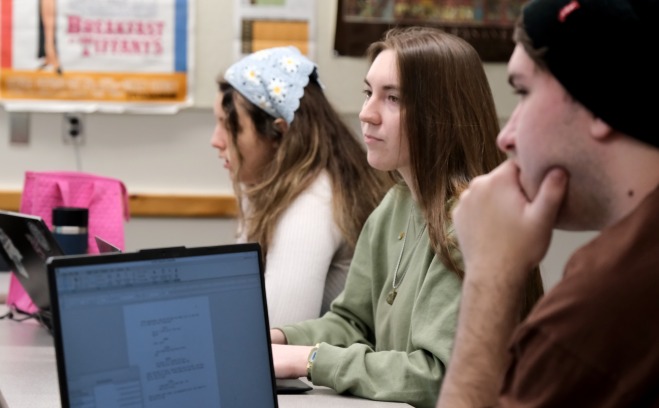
(165, 327)
(25, 244)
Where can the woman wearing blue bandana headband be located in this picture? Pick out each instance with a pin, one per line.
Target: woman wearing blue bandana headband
(301, 177)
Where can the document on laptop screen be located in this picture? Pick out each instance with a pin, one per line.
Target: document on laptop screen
(165, 332)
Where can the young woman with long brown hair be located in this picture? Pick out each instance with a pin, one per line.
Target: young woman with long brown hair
(429, 118)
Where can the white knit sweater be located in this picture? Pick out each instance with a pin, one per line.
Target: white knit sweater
(308, 259)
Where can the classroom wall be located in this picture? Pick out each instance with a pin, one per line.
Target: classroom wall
(171, 154)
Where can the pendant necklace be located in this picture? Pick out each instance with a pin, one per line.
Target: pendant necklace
(395, 283)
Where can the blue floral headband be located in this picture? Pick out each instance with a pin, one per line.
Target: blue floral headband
(272, 79)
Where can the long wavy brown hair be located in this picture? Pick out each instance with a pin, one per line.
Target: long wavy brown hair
(317, 140)
(449, 119)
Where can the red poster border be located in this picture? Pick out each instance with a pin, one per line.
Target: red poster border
(6, 7)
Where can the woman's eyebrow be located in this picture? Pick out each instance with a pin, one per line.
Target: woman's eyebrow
(385, 87)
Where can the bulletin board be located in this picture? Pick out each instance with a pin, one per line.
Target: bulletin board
(485, 24)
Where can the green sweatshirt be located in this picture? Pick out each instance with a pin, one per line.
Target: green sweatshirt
(379, 351)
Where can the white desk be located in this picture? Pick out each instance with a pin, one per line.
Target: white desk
(28, 374)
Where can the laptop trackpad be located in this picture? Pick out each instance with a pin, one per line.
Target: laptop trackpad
(291, 386)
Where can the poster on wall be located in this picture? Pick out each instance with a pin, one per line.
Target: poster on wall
(96, 55)
(264, 24)
(485, 24)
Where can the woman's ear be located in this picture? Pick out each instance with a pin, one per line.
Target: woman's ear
(282, 128)
(281, 125)
(599, 129)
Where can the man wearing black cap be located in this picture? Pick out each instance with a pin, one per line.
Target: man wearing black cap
(583, 149)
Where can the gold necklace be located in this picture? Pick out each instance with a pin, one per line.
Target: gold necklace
(394, 285)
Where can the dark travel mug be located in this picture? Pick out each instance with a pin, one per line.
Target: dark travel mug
(70, 229)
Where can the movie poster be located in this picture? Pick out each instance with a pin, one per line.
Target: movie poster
(98, 55)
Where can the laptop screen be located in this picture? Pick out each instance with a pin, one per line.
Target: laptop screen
(163, 328)
(25, 244)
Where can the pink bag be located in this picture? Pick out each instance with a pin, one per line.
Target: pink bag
(107, 201)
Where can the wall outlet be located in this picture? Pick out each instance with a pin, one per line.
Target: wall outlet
(19, 128)
(73, 128)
